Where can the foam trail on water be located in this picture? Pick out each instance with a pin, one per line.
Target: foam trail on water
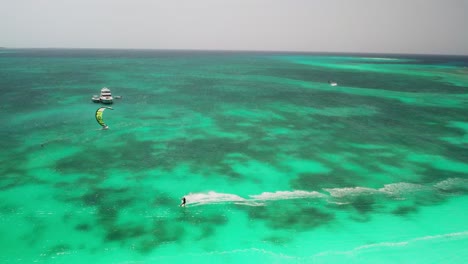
(212, 197)
(350, 191)
(399, 190)
(253, 200)
(452, 184)
(393, 189)
(286, 195)
(402, 188)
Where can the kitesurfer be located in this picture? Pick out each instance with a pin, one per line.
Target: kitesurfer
(183, 201)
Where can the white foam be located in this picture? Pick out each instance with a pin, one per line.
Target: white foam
(286, 195)
(450, 235)
(362, 248)
(396, 189)
(212, 197)
(402, 188)
(452, 183)
(250, 203)
(350, 191)
(383, 244)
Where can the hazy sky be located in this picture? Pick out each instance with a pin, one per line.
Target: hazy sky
(389, 26)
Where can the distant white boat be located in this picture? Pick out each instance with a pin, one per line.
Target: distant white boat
(96, 98)
(332, 83)
(105, 97)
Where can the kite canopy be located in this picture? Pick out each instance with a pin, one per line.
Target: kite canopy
(99, 114)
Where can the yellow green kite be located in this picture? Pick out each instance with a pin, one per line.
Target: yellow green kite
(99, 119)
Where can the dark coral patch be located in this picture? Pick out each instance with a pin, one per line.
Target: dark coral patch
(361, 204)
(202, 154)
(405, 210)
(163, 200)
(83, 227)
(364, 204)
(291, 217)
(278, 240)
(124, 233)
(13, 177)
(205, 232)
(197, 219)
(163, 232)
(312, 181)
(135, 155)
(206, 223)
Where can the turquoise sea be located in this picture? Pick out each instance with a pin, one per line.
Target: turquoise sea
(277, 165)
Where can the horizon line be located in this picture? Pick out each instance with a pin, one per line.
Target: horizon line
(240, 50)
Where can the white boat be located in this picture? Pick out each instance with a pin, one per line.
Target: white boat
(96, 98)
(106, 96)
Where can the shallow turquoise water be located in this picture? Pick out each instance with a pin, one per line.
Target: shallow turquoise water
(277, 165)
